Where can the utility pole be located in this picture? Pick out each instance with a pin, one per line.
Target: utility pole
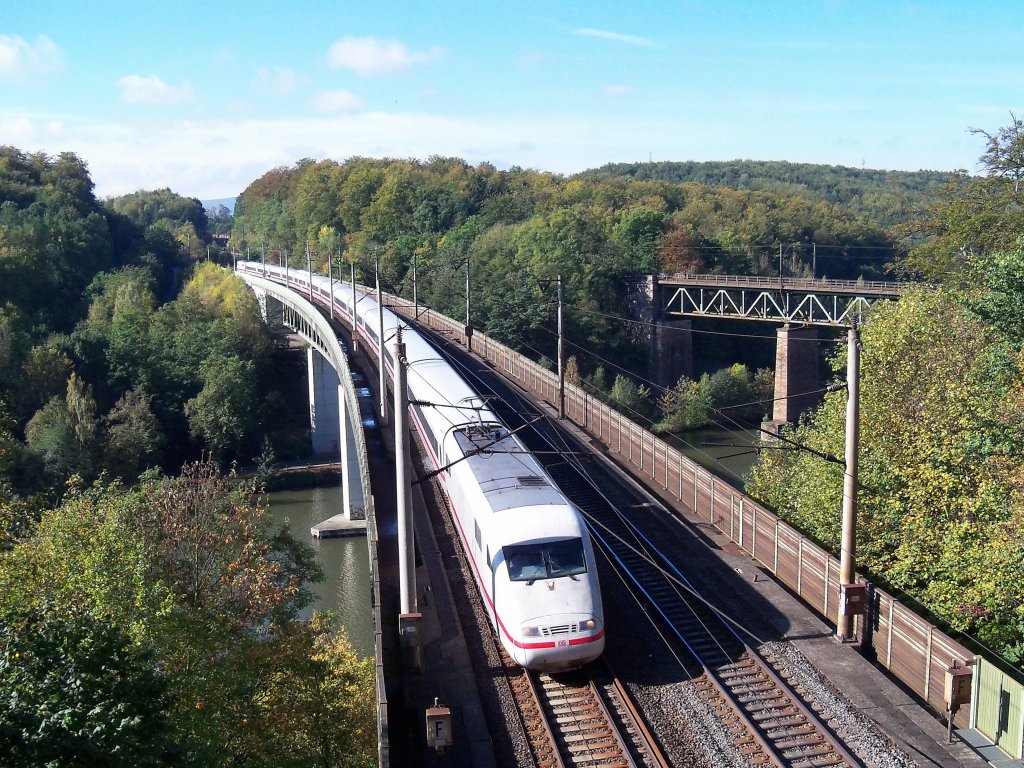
(263, 256)
(355, 336)
(330, 280)
(284, 258)
(403, 479)
(408, 618)
(309, 268)
(780, 267)
(848, 545)
(469, 314)
(561, 353)
(415, 295)
(381, 372)
(814, 260)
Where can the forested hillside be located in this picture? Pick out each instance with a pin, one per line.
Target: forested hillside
(99, 371)
(149, 612)
(886, 197)
(518, 229)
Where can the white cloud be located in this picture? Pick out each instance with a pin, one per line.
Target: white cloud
(617, 90)
(279, 81)
(153, 90)
(335, 102)
(16, 129)
(20, 59)
(370, 56)
(219, 157)
(630, 39)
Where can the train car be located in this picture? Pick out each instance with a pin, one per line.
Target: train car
(528, 547)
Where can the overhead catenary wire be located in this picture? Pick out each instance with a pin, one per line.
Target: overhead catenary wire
(736, 427)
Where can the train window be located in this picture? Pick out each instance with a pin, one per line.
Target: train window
(550, 560)
(479, 538)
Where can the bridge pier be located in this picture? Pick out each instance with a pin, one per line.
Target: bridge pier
(669, 340)
(344, 434)
(796, 372)
(672, 353)
(323, 403)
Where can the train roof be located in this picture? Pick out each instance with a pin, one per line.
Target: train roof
(508, 476)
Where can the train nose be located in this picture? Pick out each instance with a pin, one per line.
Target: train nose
(559, 643)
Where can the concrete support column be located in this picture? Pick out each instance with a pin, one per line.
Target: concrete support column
(323, 403)
(344, 435)
(796, 372)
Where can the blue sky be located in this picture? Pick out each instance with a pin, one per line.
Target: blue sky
(205, 97)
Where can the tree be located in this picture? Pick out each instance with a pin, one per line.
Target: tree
(638, 233)
(133, 436)
(222, 413)
(942, 442)
(328, 694)
(633, 399)
(77, 691)
(971, 215)
(64, 432)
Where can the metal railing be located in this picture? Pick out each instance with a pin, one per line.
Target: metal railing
(870, 287)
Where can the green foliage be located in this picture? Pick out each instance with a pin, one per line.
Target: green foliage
(638, 233)
(730, 394)
(183, 643)
(183, 217)
(54, 235)
(941, 445)
(134, 437)
(633, 399)
(970, 215)
(77, 691)
(886, 196)
(64, 432)
(221, 414)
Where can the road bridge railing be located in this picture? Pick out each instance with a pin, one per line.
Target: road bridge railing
(786, 300)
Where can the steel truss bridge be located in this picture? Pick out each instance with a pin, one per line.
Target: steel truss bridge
(837, 303)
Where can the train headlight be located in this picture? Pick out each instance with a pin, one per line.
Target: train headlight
(589, 625)
(531, 631)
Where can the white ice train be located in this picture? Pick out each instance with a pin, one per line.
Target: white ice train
(528, 547)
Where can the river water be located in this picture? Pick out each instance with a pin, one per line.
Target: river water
(727, 453)
(345, 561)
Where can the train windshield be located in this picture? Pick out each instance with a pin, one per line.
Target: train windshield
(551, 560)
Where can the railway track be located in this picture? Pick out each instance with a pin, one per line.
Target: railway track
(583, 719)
(770, 723)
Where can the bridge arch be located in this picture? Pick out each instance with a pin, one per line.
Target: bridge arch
(328, 368)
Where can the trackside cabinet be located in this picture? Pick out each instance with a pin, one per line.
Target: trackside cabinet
(439, 727)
